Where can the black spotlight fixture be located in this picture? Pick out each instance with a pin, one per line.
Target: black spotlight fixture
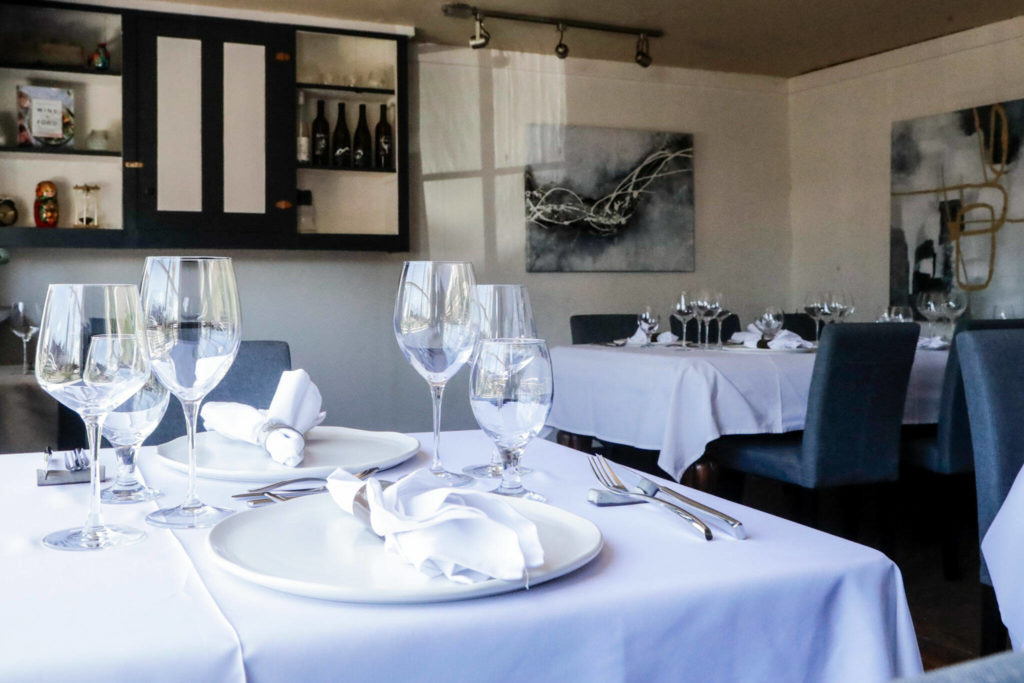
(561, 50)
(643, 51)
(480, 37)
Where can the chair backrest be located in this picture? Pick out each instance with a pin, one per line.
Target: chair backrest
(252, 379)
(801, 324)
(855, 405)
(598, 328)
(953, 452)
(730, 325)
(993, 372)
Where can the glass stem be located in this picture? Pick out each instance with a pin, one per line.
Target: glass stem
(125, 466)
(511, 481)
(24, 356)
(436, 393)
(93, 429)
(191, 410)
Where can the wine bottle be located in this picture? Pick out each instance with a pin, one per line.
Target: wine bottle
(383, 142)
(362, 144)
(341, 154)
(302, 151)
(321, 137)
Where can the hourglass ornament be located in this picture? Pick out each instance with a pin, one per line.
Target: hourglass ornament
(87, 206)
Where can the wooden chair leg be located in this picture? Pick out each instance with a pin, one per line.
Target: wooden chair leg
(703, 475)
(993, 634)
(576, 441)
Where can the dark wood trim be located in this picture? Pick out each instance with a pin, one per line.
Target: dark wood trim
(11, 149)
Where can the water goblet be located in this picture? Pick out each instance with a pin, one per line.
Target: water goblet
(648, 321)
(505, 312)
(720, 315)
(685, 312)
(707, 306)
(510, 392)
(816, 307)
(769, 323)
(23, 318)
(126, 427)
(953, 304)
(929, 305)
(193, 325)
(436, 325)
(91, 357)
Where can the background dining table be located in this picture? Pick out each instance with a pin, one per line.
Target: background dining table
(658, 603)
(677, 401)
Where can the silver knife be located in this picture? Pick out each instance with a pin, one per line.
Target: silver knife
(730, 525)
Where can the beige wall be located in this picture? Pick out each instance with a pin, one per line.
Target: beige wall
(469, 112)
(839, 127)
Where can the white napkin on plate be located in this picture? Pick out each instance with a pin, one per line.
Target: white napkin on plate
(784, 339)
(1003, 548)
(667, 337)
(464, 535)
(639, 338)
(931, 343)
(294, 410)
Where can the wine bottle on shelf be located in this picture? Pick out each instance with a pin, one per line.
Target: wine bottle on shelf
(341, 150)
(362, 143)
(384, 156)
(302, 148)
(321, 137)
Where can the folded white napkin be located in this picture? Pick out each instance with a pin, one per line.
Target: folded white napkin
(294, 410)
(639, 337)
(1003, 548)
(667, 337)
(931, 343)
(784, 339)
(465, 535)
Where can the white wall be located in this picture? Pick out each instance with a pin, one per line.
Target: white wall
(469, 111)
(839, 128)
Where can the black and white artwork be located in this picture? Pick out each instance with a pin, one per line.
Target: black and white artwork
(608, 199)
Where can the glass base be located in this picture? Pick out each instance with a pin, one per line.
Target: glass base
(133, 494)
(194, 516)
(490, 471)
(452, 478)
(521, 493)
(96, 538)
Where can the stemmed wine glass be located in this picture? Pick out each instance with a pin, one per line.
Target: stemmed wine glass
(953, 304)
(436, 326)
(193, 329)
(929, 305)
(816, 306)
(686, 311)
(505, 313)
(770, 323)
(22, 324)
(91, 357)
(706, 305)
(126, 427)
(648, 321)
(510, 392)
(720, 315)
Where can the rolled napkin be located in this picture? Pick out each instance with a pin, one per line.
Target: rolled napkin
(294, 410)
(931, 343)
(784, 339)
(639, 337)
(464, 535)
(1003, 548)
(667, 337)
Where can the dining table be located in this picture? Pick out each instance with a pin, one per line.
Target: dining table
(657, 603)
(677, 400)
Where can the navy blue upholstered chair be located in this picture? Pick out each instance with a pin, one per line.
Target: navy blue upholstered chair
(252, 379)
(1007, 667)
(801, 324)
(854, 413)
(599, 328)
(992, 363)
(729, 326)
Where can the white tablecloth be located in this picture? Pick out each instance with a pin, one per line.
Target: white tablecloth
(1003, 548)
(677, 401)
(790, 604)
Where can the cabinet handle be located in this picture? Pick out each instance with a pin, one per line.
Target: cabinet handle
(133, 164)
(283, 204)
(283, 57)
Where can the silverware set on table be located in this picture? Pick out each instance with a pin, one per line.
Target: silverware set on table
(282, 491)
(615, 492)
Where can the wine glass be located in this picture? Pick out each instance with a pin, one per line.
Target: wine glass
(953, 304)
(770, 322)
(193, 329)
(22, 324)
(505, 313)
(720, 315)
(648, 321)
(816, 306)
(126, 427)
(685, 312)
(930, 307)
(91, 357)
(707, 306)
(510, 392)
(436, 326)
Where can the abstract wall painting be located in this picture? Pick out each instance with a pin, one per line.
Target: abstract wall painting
(958, 207)
(608, 199)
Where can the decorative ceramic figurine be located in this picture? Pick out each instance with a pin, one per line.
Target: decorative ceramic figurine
(46, 212)
(8, 211)
(100, 59)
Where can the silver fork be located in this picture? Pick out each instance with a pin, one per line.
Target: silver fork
(608, 479)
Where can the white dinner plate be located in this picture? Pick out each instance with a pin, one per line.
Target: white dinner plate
(311, 547)
(327, 448)
(741, 347)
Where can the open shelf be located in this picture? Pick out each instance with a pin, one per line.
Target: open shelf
(58, 150)
(57, 68)
(345, 88)
(311, 167)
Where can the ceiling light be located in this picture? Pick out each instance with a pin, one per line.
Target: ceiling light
(561, 50)
(481, 37)
(643, 51)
